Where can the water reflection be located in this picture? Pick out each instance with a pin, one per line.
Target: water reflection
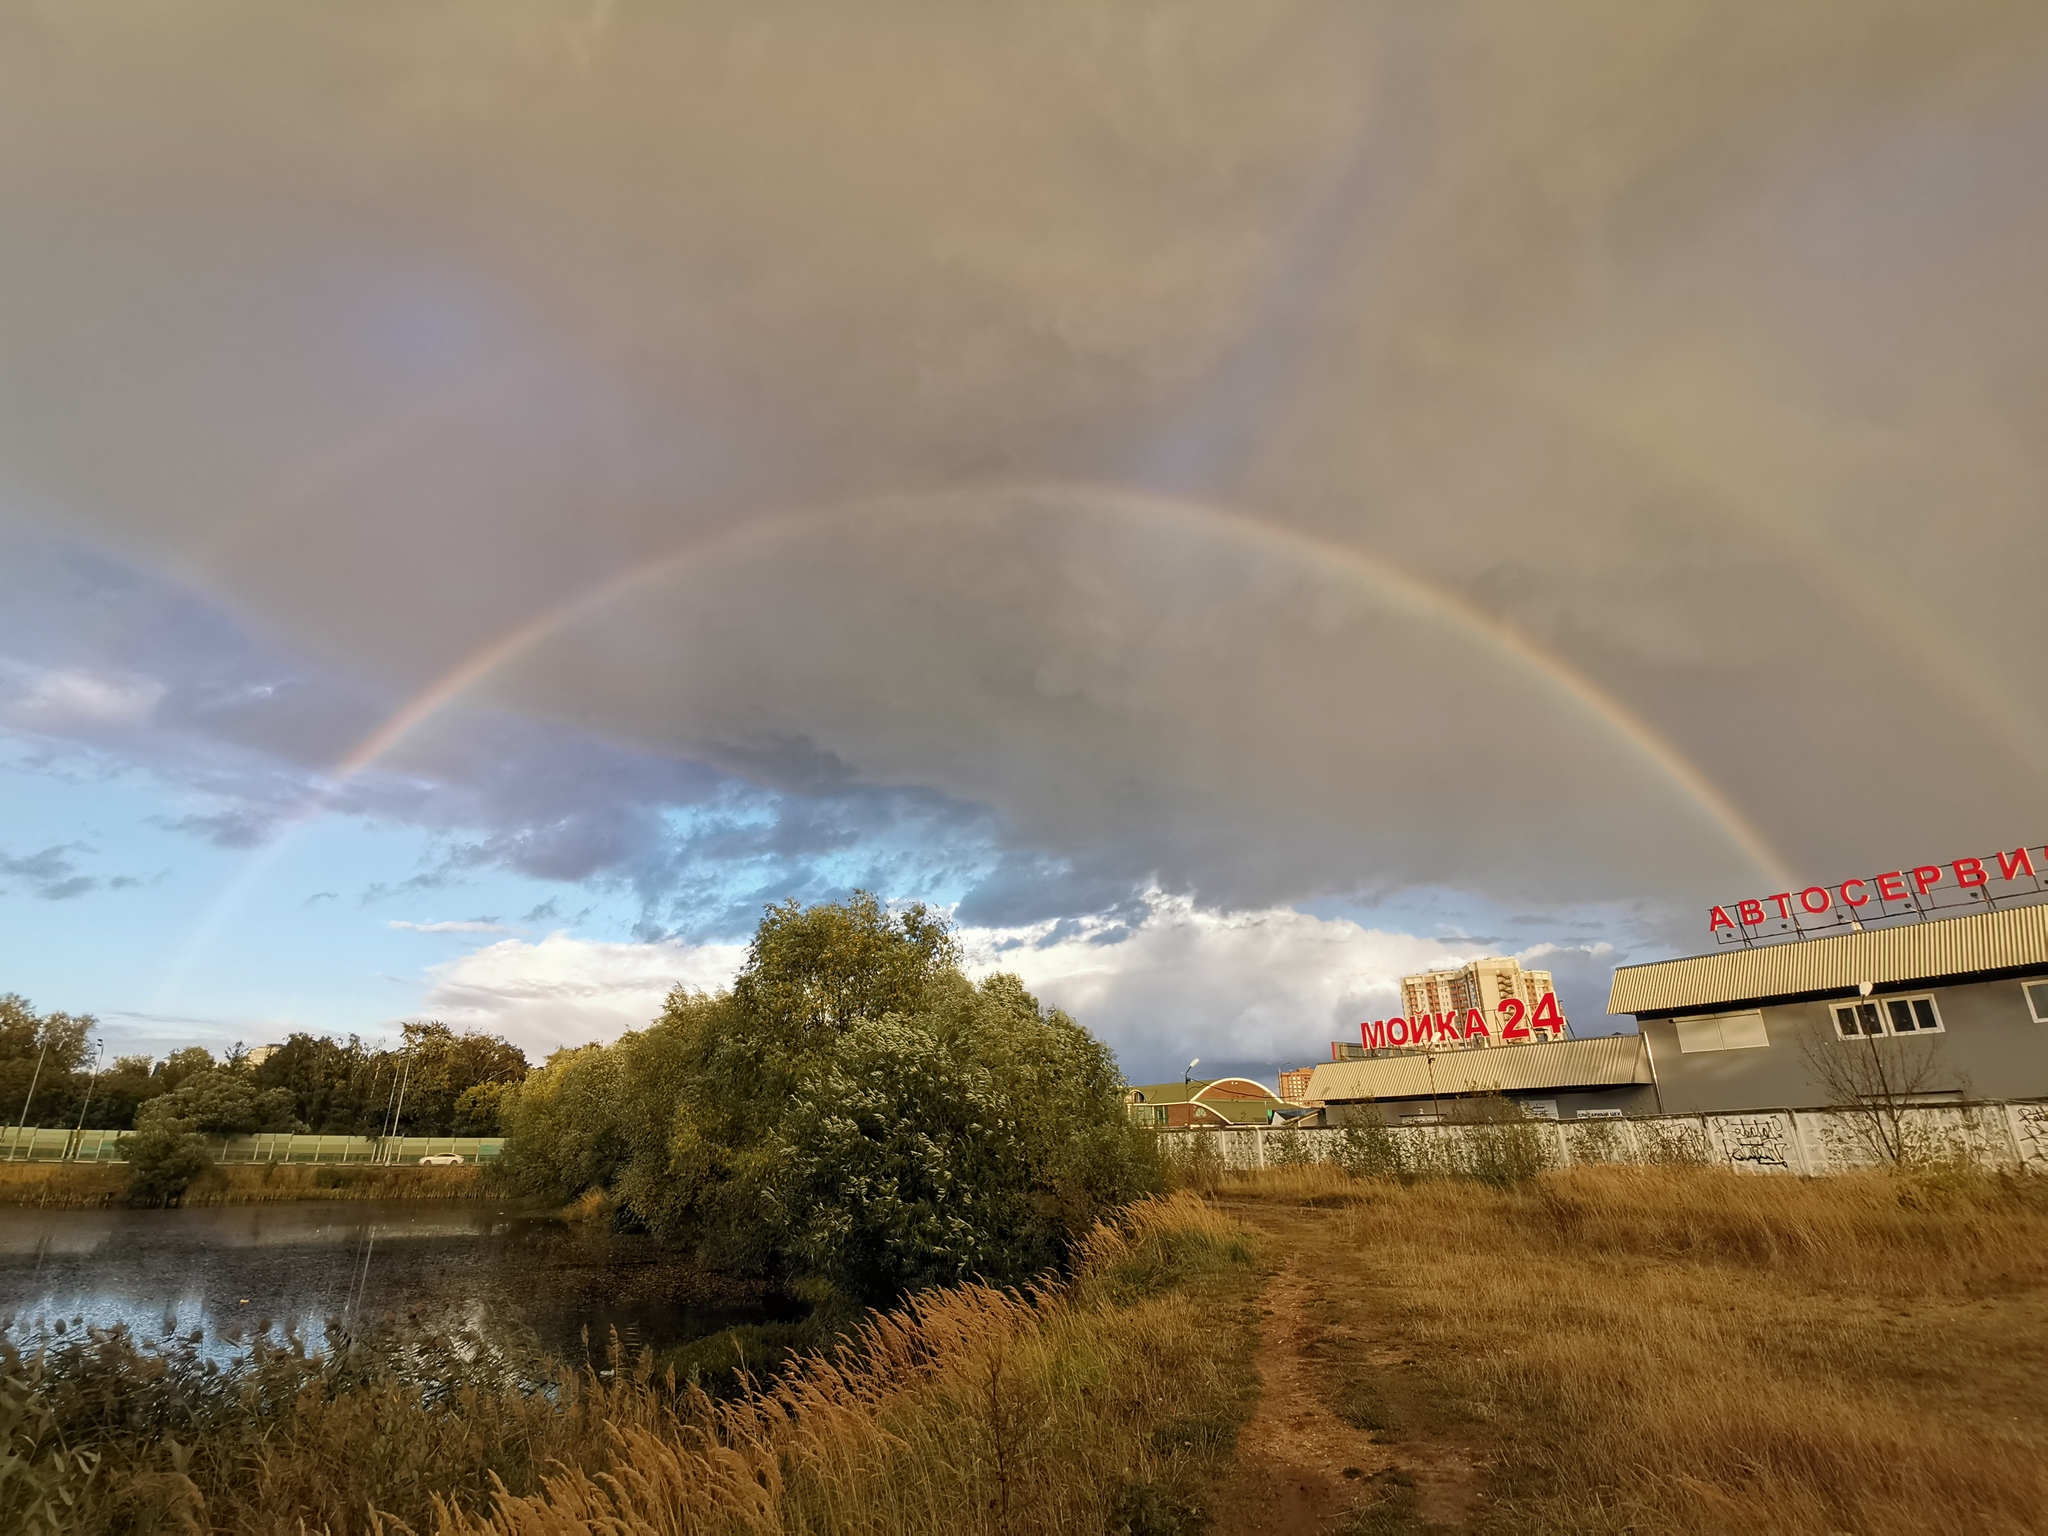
(234, 1272)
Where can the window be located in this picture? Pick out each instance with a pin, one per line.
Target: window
(2037, 999)
(1887, 1016)
(1723, 1032)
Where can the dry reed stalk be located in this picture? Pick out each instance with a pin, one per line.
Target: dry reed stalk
(969, 1410)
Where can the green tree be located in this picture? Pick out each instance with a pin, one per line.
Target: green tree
(43, 1053)
(164, 1157)
(222, 1102)
(854, 1108)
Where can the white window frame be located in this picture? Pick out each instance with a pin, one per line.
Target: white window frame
(1884, 1003)
(2033, 1007)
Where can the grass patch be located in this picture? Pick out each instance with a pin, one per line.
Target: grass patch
(76, 1185)
(1690, 1349)
(1105, 1403)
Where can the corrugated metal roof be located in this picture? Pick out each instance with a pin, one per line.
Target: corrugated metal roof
(1912, 952)
(1599, 1062)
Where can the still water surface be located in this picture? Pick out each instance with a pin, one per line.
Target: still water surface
(232, 1271)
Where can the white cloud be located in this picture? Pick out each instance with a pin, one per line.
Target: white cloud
(1266, 986)
(447, 927)
(73, 696)
(566, 991)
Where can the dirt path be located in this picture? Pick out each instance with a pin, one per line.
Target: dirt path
(1312, 1463)
(1326, 1342)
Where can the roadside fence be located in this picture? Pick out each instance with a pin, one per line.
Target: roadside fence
(48, 1145)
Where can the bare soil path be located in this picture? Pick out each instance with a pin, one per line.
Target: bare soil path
(1344, 1438)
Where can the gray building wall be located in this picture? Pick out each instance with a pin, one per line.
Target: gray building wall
(1989, 1047)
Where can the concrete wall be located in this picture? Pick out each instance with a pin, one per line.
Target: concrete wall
(1811, 1142)
(1989, 1047)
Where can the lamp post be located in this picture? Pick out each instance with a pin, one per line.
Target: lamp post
(78, 1135)
(23, 1121)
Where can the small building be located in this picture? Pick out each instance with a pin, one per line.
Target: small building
(1599, 1077)
(1951, 1009)
(1215, 1102)
(1294, 1084)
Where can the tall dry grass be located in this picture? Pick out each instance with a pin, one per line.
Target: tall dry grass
(1091, 1407)
(93, 1185)
(1101, 1403)
(1694, 1350)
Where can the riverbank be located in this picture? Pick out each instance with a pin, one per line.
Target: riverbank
(1588, 1350)
(86, 1186)
(1106, 1403)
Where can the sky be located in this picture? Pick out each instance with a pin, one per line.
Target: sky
(1234, 504)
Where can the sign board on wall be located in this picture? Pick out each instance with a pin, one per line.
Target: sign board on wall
(1975, 883)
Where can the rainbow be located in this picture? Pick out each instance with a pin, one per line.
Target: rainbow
(1512, 648)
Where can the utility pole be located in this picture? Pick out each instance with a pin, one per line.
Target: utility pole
(36, 1078)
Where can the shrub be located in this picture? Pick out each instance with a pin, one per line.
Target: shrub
(164, 1157)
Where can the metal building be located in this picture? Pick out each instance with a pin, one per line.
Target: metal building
(1940, 1011)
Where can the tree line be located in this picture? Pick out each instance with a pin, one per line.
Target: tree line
(435, 1083)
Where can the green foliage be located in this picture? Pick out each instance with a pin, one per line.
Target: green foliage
(220, 1102)
(854, 1110)
(164, 1157)
(454, 1083)
(451, 1083)
(1369, 1149)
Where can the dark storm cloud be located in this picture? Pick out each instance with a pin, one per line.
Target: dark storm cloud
(699, 848)
(1696, 350)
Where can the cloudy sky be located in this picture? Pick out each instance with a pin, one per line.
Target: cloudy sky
(1236, 502)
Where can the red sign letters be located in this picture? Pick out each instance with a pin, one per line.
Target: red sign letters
(1978, 881)
(1517, 1024)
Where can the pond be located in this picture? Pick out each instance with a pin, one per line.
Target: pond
(235, 1271)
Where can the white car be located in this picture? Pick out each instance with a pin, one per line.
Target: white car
(442, 1160)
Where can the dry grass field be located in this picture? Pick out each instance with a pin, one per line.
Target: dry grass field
(1599, 1350)
(1640, 1349)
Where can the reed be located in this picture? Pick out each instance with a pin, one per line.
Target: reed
(91, 1185)
(971, 1409)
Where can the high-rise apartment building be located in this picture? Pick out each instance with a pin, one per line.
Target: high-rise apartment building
(1477, 984)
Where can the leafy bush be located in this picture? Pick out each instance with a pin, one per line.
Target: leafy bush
(164, 1157)
(854, 1110)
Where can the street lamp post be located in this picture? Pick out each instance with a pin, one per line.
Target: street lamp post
(78, 1135)
(33, 1080)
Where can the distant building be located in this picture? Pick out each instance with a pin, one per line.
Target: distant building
(259, 1054)
(1480, 984)
(1219, 1101)
(1294, 1083)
